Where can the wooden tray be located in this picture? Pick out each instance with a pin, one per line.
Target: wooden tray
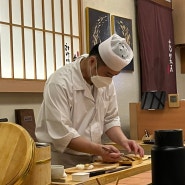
(97, 166)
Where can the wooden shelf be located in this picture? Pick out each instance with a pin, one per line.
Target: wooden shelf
(19, 85)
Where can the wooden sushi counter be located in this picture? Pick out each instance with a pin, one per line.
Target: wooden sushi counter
(26, 162)
(111, 176)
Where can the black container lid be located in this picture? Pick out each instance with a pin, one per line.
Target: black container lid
(169, 138)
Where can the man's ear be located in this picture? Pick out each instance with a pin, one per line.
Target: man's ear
(92, 61)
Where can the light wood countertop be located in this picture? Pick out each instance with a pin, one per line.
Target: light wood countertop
(110, 177)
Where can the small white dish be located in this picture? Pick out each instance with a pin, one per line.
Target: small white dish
(80, 176)
(57, 171)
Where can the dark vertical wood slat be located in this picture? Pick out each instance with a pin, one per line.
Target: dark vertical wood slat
(23, 41)
(0, 59)
(11, 38)
(44, 38)
(53, 29)
(80, 23)
(34, 43)
(71, 28)
(62, 18)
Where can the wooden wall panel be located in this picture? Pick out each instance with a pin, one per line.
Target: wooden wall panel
(179, 21)
(182, 53)
(168, 118)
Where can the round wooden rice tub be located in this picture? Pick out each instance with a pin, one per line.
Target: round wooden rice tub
(22, 161)
(40, 173)
(17, 151)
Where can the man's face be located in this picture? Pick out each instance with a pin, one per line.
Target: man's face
(100, 69)
(106, 71)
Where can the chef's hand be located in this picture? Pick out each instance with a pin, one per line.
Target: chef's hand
(132, 146)
(110, 153)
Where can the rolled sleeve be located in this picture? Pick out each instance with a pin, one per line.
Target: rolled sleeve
(113, 123)
(112, 118)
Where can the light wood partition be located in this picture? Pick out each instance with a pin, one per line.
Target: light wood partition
(179, 21)
(37, 37)
(151, 120)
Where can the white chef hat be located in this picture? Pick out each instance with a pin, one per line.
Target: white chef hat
(115, 52)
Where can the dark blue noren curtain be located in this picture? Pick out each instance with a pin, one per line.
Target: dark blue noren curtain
(156, 45)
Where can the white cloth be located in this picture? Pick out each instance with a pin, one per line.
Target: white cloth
(69, 110)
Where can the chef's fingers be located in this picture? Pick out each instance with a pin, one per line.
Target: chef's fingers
(131, 145)
(114, 149)
(110, 153)
(115, 156)
(137, 149)
(111, 157)
(110, 149)
(140, 151)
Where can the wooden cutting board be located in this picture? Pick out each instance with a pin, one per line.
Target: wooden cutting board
(131, 160)
(97, 166)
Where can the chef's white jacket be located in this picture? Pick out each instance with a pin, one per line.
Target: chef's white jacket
(69, 109)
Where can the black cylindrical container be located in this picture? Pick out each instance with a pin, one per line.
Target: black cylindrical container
(168, 158)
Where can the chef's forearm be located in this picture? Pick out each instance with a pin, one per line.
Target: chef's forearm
(116, 135)
(108, 153)
(81, 144)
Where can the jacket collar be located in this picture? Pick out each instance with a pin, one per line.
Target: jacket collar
(77, 77)
(78, 80)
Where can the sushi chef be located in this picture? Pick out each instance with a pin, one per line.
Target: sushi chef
(80, 105)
